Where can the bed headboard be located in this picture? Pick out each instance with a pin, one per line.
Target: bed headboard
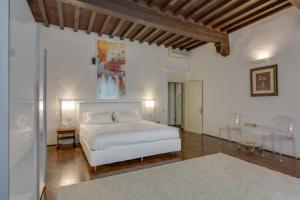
(108, 106)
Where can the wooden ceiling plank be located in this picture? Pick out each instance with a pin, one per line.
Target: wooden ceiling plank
(192, 42)
(128, 31)
(264, 15)
(149, 17)
(241, 11)
(149, 35)
(139, 33)
(170, 43)
(295, 3)
(219, 8)
(228, 12)
(150, 3)
(60, 14)
(210, 9)
(117, 28)
(91, 22)
(157, 38)
(196, 46)
(166, 4)
(180, 42)
(164, 38)
(43, 12)
(183, 6)
(198, 9)
(106, 21)
(167, 39)
(76, 18)
(255, 12)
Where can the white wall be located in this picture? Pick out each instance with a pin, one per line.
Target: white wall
(71, 76)
(227, 82)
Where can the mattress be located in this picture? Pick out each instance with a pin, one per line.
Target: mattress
(103, 136)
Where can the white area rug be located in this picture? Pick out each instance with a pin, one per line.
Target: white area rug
(213, 177)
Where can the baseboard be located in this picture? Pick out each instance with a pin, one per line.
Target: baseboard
(286, 155)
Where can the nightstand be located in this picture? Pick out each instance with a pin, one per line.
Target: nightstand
(64, 134)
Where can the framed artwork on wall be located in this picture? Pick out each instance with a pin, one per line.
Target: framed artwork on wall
(264, 81)
(110, 70)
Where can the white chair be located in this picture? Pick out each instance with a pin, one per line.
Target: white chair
(282, 129)
(233, 125)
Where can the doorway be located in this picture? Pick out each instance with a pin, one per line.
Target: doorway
(193, 107)
(175, 106)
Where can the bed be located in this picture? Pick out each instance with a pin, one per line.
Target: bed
(125, 140)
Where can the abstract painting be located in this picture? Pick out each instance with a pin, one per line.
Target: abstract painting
(264, 81)
(110, 70)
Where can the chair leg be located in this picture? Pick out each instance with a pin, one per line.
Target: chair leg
(220, 135)
(281, 149)
(294, 148)
(262, 145)
(273, 143)
(229, 136)
(241, 139)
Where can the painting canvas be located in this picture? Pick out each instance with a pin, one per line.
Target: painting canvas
(110, 70)
(264, 81)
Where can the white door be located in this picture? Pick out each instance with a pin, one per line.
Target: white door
(193, 107)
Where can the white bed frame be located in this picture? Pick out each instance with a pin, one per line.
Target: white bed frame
(124, 152)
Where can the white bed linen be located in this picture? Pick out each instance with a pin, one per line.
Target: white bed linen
(105, 136)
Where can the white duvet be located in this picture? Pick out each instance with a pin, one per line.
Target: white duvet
(105, 136)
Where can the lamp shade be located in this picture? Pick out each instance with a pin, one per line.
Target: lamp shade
(68, 105)
(149, 103)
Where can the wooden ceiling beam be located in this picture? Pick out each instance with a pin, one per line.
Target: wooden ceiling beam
(106, 21)
(191, 40)
(117, 28)
(164, 38)
(295, 3)
(139, 33)
(183, 6)
(149, 17)
(180, 42)
(234, 8)
(166, 4)
(167, 39)
(198, 9)
(173, 41)
(241, 11)
(76, 18)
(157, 38)
(43, 12)
(128, 31)
(259, 17)
(199, 44)
(150, 3)
(210, 9)
(255, 12)
(187, 44)
(219, 8)
(91, 22)
(60, 14)
(149, 35)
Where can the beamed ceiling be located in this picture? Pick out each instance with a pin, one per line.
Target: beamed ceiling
(183, 24)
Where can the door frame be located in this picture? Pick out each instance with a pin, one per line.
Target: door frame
(202, 118)
(4, 100)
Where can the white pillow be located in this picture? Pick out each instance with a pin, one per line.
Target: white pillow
(97, 118)
(127, 116)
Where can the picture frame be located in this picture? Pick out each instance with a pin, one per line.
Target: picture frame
(264, 81)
